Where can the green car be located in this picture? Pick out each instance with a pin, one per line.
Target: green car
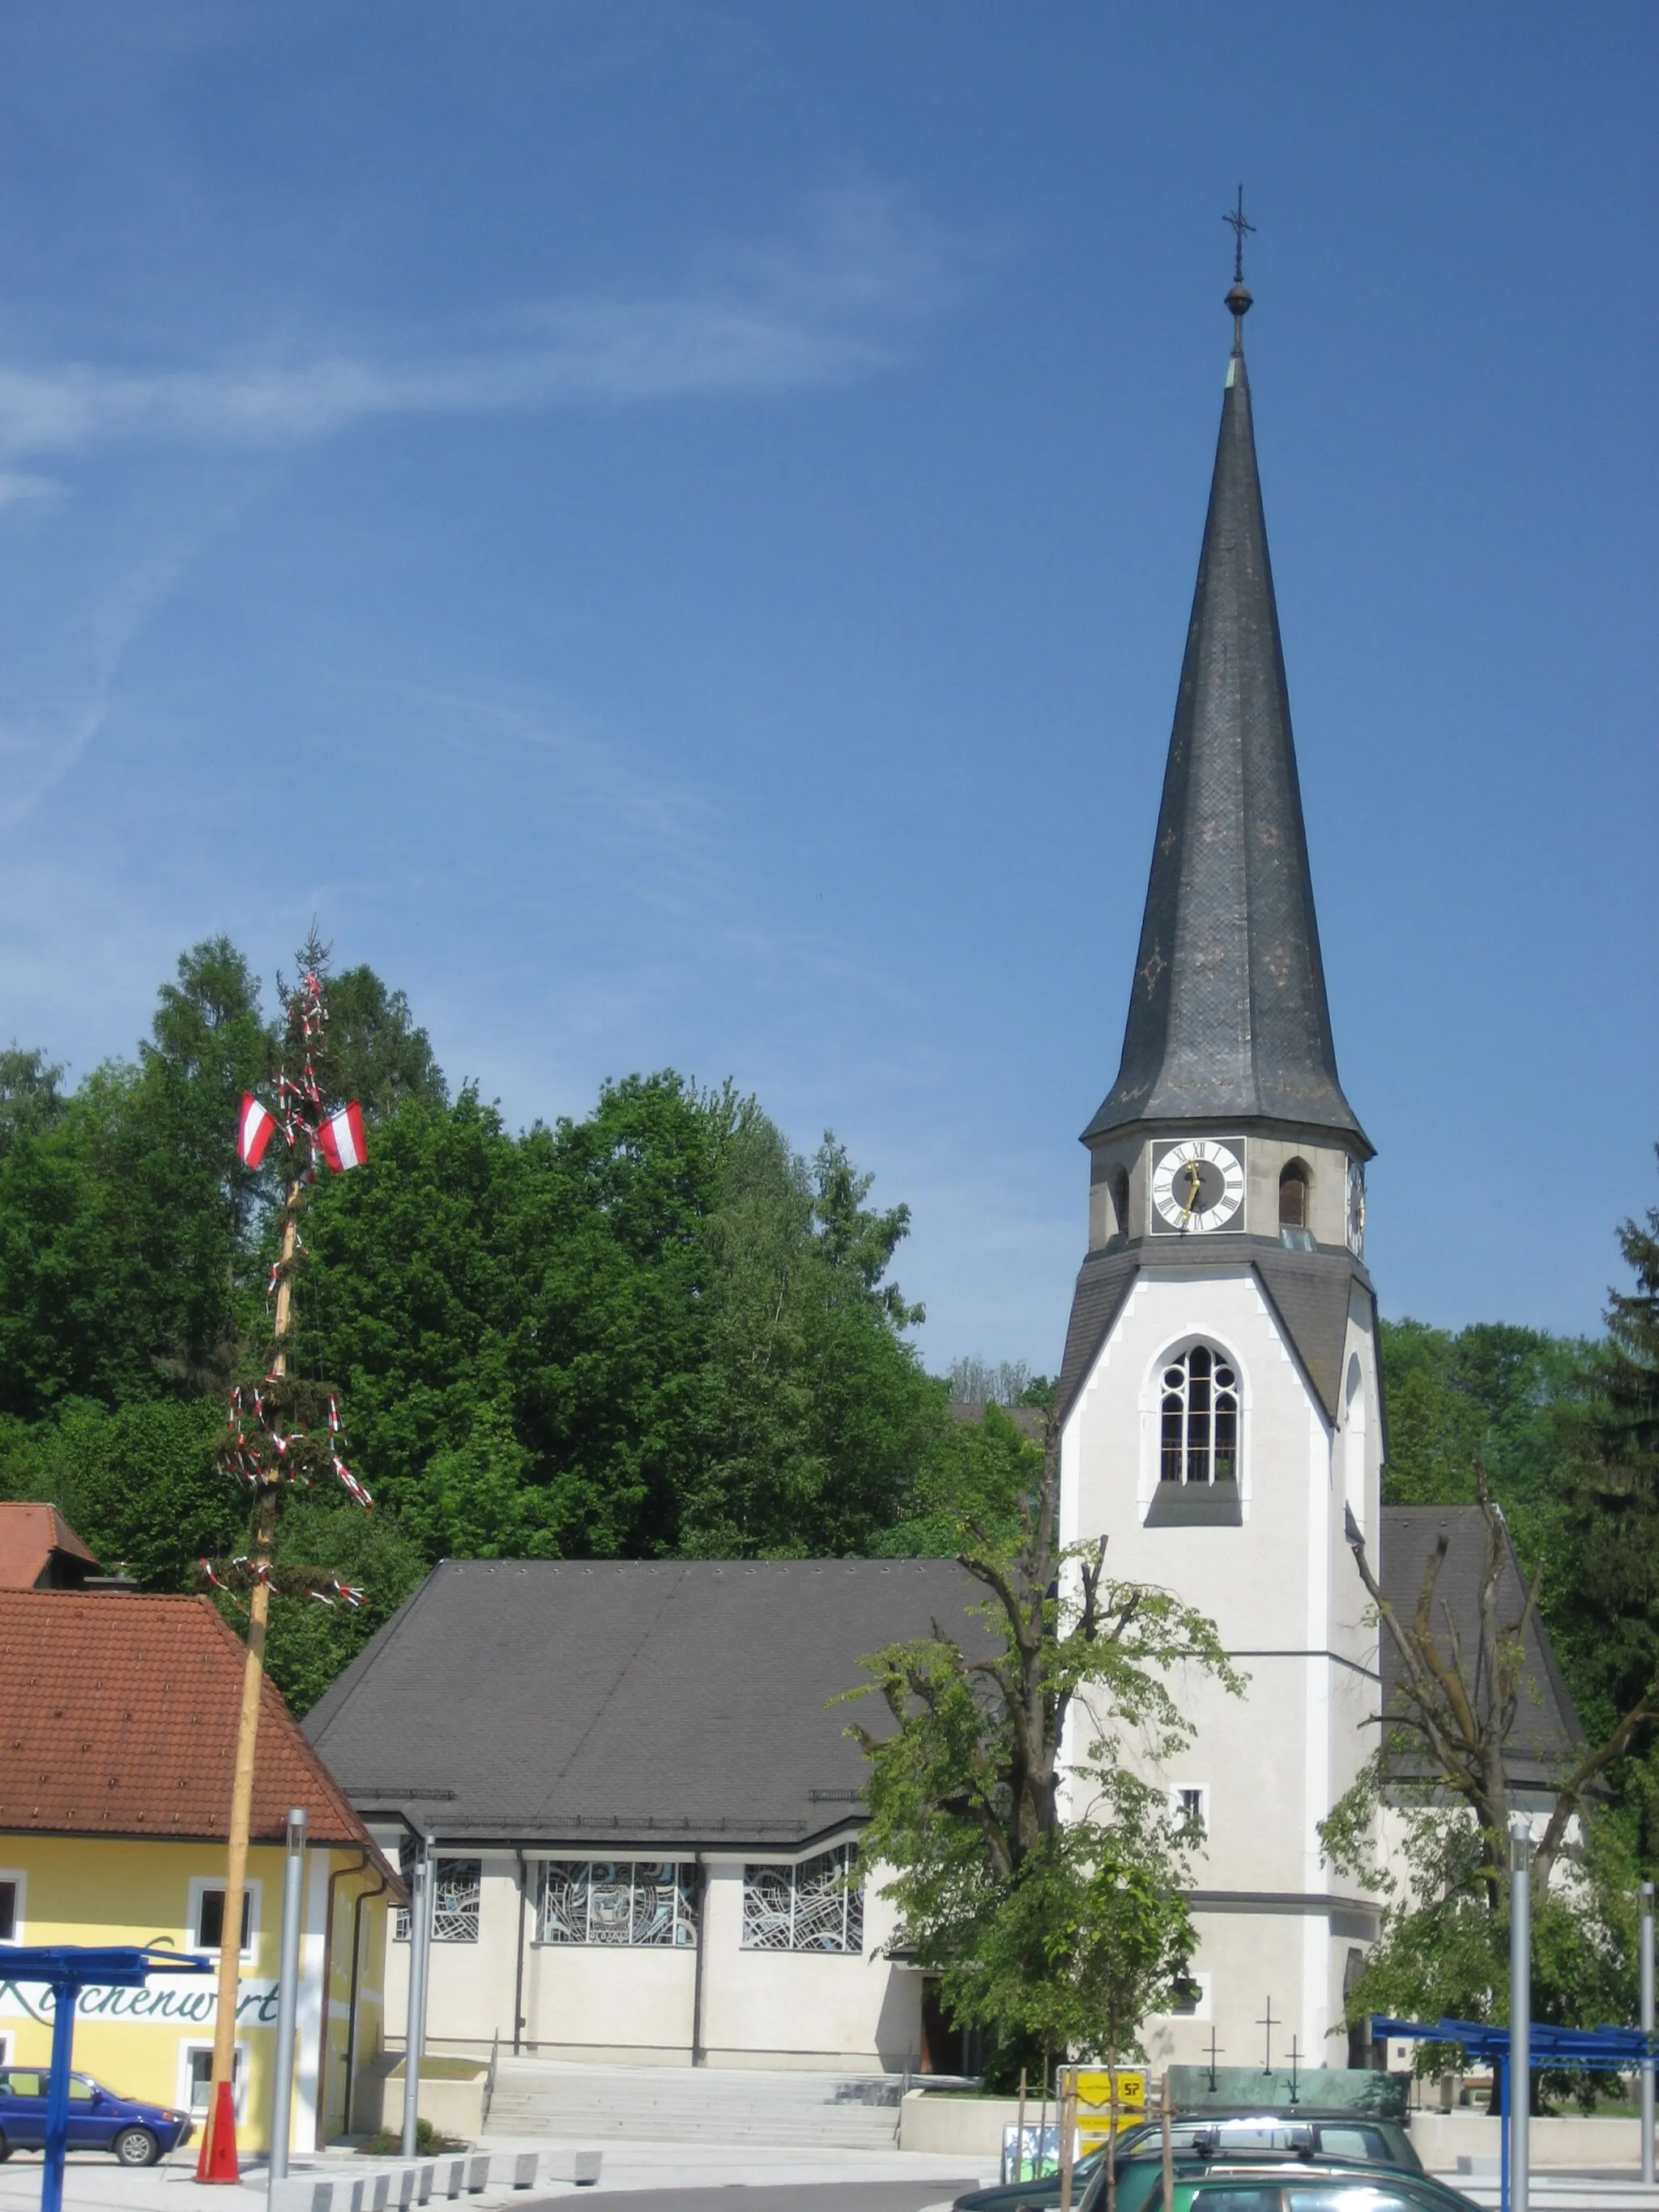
(1365, 2142)
(1270, 2182)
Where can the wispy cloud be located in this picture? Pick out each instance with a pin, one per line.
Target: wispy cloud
(846, 301)
(39, 744)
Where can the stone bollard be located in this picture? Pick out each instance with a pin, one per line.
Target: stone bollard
(524, 2170)
(380, 2194)
(456, 2178)
(477, 2173)
(426, 2180)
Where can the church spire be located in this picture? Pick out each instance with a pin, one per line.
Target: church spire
(1228, 1018)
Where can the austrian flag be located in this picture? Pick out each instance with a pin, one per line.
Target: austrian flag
(342, 1138)
(254, 1127)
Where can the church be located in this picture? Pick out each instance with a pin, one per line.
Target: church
(640, 1794)
(1219, 1396)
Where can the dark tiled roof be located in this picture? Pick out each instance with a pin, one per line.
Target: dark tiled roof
(1228, 1018)
(675, 1703)
(1546, 1734)
(1104, 1282)
(119, 1715)
(1309, 1293)
(38, 1545)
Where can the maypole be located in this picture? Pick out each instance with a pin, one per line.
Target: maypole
(282, 1434)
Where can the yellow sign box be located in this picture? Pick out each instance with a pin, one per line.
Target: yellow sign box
(1095, 2121)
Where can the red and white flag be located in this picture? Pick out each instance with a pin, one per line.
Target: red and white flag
(342, 1138)
(254, 1127)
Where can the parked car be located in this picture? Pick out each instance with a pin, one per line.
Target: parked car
(1365, 2141)
(136, 2133)
(1270, 2182)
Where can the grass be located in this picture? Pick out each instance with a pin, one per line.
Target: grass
(428, 2143)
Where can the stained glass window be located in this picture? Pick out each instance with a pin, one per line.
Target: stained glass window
(810, 1907)
(649, 1903)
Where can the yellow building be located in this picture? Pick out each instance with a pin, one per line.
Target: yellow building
(117, 1727)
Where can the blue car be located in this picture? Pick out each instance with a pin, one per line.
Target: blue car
(135, 2133)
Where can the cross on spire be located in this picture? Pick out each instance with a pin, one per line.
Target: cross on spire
(1241, 229)
(1238, 299)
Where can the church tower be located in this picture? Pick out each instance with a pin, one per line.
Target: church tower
(1218, 1396)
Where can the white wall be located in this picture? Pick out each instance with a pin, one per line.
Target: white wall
(860, 2013)
(1286, 1598)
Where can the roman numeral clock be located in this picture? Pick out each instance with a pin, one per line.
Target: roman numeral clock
(1197, 1186)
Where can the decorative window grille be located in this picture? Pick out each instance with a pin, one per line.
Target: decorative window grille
(643, 1903)
(457, 1884)
(814, 1906)
(1200, 1418)
(455, 1900)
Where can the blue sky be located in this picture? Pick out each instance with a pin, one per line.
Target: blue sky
(669, 529)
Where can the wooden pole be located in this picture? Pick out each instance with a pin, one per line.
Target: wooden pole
(1019, 2132)
(217, 2159)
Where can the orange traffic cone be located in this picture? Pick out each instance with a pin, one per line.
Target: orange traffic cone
(218, 2159)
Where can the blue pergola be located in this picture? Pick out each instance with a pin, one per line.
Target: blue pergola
(1568, 2049)
(66, 1969)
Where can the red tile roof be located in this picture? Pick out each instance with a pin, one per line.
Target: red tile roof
(29, 1534)
(118, 1717)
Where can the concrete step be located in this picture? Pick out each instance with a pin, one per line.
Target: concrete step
(656, 2104)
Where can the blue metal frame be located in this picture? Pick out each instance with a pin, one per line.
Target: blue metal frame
(1578, 2050)
(66, 1969)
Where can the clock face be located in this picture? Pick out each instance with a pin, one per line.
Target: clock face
(1356, 1208)
(1198, 1184)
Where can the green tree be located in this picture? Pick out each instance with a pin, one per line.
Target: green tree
(1056, 1933)
(138, 1484)
(1491, 1393)
(30, 1099)
(1604, 1594)
(979, 1470)
(1448, 1770)
(377, 1054)
(814, 1410)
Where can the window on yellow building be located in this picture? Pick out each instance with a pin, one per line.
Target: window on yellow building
(210, 1930)
(8, 1911)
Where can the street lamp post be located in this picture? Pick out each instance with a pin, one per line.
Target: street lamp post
(288, 1995)
(1647, 2031)
(1520, 2012)
(420, 1937)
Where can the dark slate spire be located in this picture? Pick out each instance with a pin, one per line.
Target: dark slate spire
(1228, 1019)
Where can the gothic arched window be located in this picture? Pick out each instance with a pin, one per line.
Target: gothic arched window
(1120, 1200)
(1293, 1196)
(1200, 1404)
